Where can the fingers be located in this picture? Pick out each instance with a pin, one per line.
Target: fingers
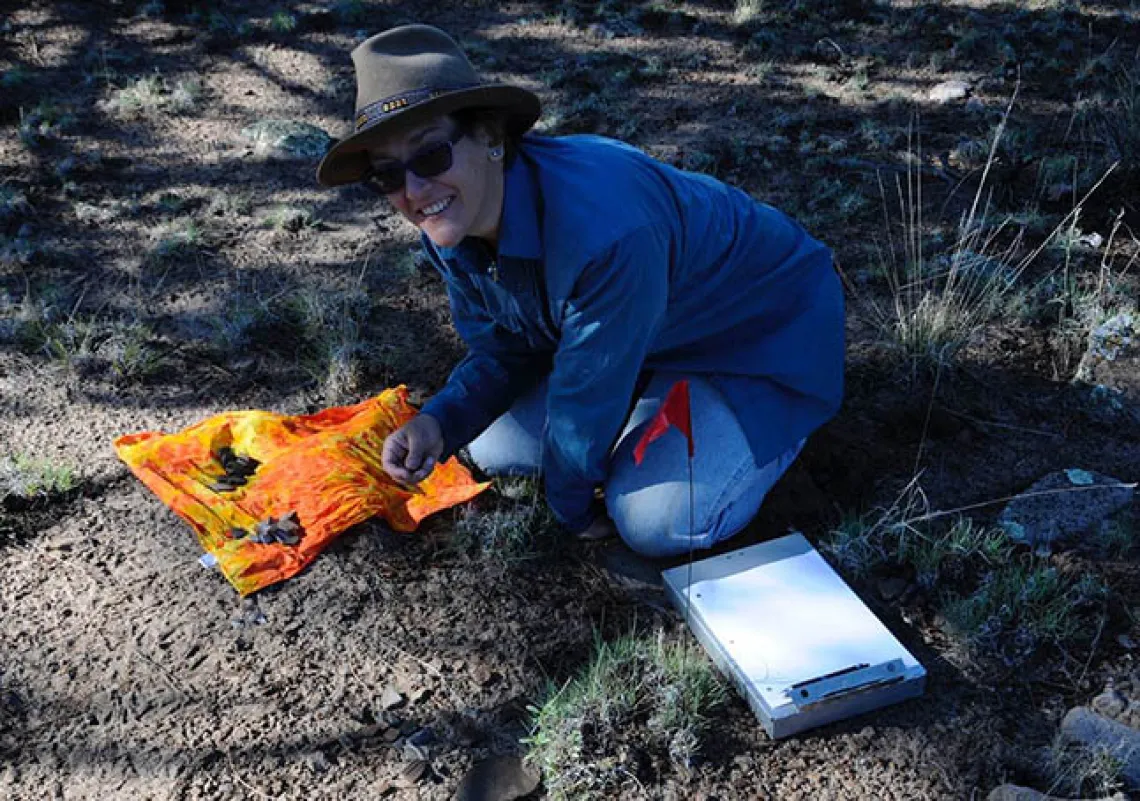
(393, 457)
(412, 451)
(425, 470)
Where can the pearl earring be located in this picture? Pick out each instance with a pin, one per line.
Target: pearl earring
(496, 153)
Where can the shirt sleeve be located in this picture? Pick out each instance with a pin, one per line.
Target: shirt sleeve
(608, 326)
(498, 368)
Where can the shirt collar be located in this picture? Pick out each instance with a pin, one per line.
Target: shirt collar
(519, 234)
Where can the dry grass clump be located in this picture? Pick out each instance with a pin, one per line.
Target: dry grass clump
(639, 704)
(519, 528)
(153, 95)
(941, 298)
(1081, 771)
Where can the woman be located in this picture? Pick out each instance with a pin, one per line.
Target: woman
(586, 279)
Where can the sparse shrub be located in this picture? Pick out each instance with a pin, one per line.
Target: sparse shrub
(333, 351)
(292, 218)
(1083, 771)
(232, 330)
(581, 732)
(227, 204)
(143, 97)
(747, 12)
(28, 478)
(130, 352)
(282, 22)
(940, 298)
(152, 95)
(177, 240)
(44, 123)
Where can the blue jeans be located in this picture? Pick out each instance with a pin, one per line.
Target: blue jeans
(649, 504)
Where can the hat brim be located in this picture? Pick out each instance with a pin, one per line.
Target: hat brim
(347, 161)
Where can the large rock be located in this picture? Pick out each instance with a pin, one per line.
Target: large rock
(287, 140)
(1101, 735)
(1113, 356)
(1063, 505)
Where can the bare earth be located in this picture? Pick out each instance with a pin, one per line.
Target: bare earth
(128, 671)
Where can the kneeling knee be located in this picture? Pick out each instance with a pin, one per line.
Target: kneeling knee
(647, 528)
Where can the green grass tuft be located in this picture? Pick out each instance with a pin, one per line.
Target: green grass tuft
(992, 600)
(1021, 606)
(27, 478)
(580, 736)
(282, 22)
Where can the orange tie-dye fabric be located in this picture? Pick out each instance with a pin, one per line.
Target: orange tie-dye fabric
(324, 467)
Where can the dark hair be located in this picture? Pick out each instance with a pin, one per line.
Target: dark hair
(492, 122)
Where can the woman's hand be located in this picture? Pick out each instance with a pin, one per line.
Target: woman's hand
(412, 451)
(602, 528)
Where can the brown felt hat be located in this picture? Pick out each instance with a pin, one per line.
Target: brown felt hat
(405, 76)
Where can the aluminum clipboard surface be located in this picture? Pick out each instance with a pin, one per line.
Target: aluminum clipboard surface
(794, 639)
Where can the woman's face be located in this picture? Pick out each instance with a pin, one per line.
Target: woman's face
(464, 200)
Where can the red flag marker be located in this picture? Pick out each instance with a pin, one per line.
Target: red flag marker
(674, 411)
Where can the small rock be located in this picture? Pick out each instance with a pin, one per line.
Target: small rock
(390, 698)
(1062, 505)
(288, 140)
(948, 91)
(503, 778)
(1112, 357)
(1100, 734)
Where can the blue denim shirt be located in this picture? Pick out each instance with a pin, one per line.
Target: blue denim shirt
(610, 263)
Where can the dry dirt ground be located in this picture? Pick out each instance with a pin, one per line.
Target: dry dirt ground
(154, 271)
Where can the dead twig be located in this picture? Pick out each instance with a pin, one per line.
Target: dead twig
(1037, 494)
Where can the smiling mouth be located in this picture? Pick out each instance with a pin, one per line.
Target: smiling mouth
(437, 208)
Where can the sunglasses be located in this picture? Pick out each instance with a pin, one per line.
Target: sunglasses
(428, 162)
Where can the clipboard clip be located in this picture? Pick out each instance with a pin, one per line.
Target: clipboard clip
(844, 682)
